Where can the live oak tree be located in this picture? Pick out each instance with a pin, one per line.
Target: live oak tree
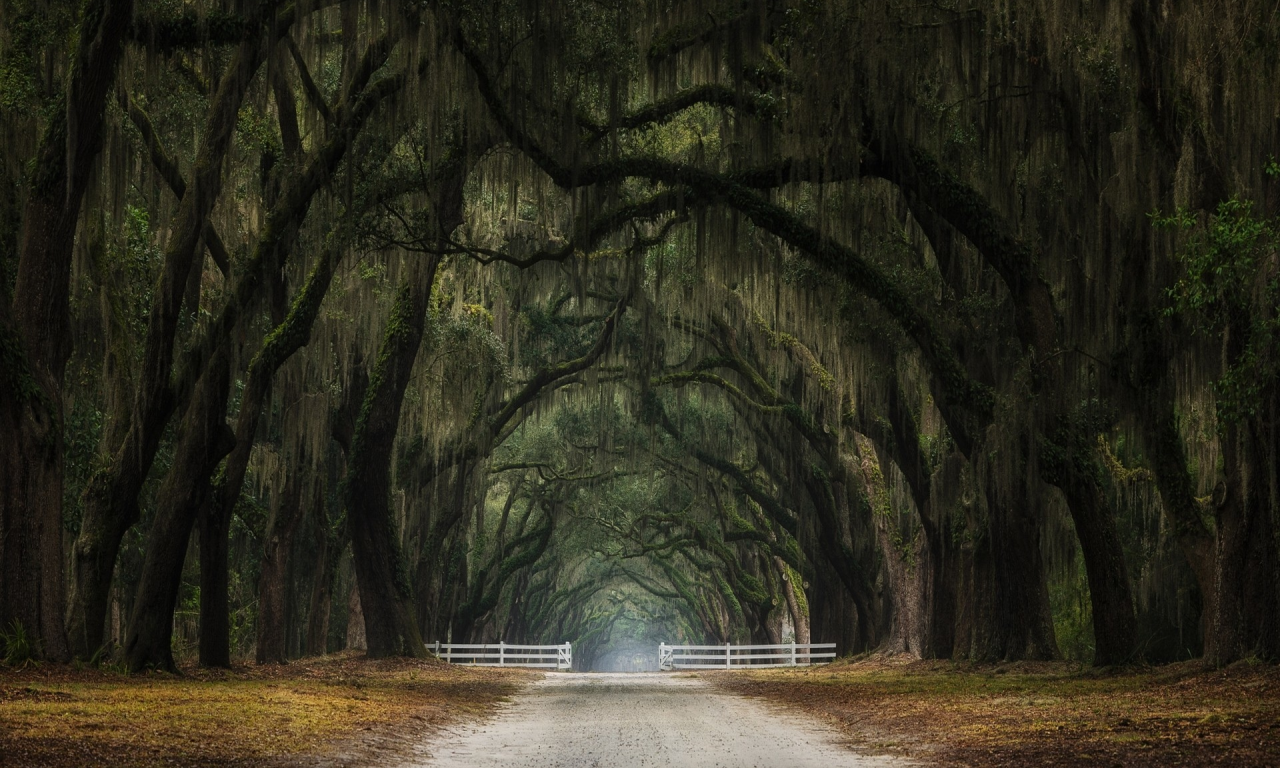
(945, 330)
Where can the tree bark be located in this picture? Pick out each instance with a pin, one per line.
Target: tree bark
(1002, 597)
(273, 584)
(1247, 584)
(1070, 465)
(356, 640)
(391, 627)
(215, 616)
(320, 605)
(111, 495)
(203, 440)
(35, 341)
(791, 591)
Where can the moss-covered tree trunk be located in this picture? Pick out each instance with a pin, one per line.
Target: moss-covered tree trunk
(1072, 467)
(794, 594)
(391, 626)
(291, 335)
(35, 341)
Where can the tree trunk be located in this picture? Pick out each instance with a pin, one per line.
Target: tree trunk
(386, 598)
(203, 440)
(391, 627)
(1247, 594)
(1070, 465)
(35, 341)
(356, 640)
(319, 606)
(438, 571)
(31, 591)
(1006, 613)
(273, 584)
(111, 495)
(792, 592)
(215, 614)
(328, 549)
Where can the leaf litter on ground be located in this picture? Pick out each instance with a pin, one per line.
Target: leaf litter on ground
(299, 713)
(1041, 714)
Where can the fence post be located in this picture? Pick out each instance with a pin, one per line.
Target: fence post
(793, 654)
(502, 653)
(437, 649)
(728, 659)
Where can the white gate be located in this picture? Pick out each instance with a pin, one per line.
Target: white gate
(729, 656)
(506, 655)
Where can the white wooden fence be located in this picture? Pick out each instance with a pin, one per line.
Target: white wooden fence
(729, 656)
(506, 655)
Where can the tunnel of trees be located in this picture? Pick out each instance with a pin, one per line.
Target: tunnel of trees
(948, 328)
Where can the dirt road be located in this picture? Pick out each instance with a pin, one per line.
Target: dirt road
(625, 720)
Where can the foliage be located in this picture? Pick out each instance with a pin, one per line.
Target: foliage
(1230, 289)
(17, 648)
(1072, 612)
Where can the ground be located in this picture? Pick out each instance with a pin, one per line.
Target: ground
(345, 710)
(328, 710)
(1044, 714)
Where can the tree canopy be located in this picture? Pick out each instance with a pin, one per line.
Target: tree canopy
(947, 329)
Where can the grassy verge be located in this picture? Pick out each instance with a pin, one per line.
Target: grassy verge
(342, 704)
(1038, 714)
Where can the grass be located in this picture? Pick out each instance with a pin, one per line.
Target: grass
(1051, 714)
(57, 716)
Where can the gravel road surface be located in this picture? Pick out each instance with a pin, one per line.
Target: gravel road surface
(652, 720)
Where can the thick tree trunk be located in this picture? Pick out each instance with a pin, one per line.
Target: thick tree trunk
(391, 627)
(900, 549)
(930, 593)
(1247, 587)
(215, 615)
(35, 341)
(1071, 466)
(31, 591)
(1010, 596)
(203, 440)
(273, 584)
(1114, 623)
(321, 602)
(937, 564)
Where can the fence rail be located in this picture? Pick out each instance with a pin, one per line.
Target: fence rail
(506, 655)
(730, 656)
